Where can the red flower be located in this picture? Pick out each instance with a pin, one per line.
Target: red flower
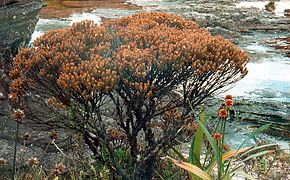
(222, 113)
(229, 97)
(229, 102)
(217, 136)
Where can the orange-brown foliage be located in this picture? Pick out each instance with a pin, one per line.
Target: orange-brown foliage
(139, 50)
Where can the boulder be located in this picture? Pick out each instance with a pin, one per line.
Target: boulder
(18, 19)
(270, 6)
(287, 12)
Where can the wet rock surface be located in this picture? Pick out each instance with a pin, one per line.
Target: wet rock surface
(227, 19)
(283, 44)
(261, 113)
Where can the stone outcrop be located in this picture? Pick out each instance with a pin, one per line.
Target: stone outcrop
(18, 19)
(283, 45)
(287, 12)
(270, 6)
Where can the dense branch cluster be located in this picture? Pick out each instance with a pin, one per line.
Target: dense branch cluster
(126, 70)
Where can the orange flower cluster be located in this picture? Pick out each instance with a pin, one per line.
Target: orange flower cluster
(172, 115)
(26, 137)
(115, 134)
(18, 85)
(226, 147)
(95, 75)
(228, 97)
(18, 115)
(2, 162)
(13, 97)
(143, 88)
(144, 53)
(229, 102)
(149, 20)
(191, 126)
(53, 102)
(174, 41)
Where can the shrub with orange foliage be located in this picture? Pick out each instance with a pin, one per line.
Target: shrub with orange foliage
(125, 69)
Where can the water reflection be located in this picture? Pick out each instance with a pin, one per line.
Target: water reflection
(63, 9)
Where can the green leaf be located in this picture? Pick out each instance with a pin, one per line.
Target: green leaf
(258, 154)
(191, 157)
(105, 155)
(211, 141)
(258, 148)
(196, 144)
